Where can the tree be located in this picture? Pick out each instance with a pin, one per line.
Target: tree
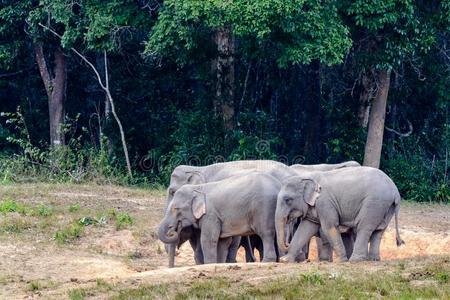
(296, 32)
(99, 24)
(224, 66)
(386, 34)
(55, 86)
(17, 15)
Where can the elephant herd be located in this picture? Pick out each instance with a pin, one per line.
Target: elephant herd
(277, 209)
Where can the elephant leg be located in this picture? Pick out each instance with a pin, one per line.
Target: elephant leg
(360, 250)
(268, 241)
(222, 249)
(210, 234)
(258, 245)
(233, 249)
(197, 247)
(305, 231)
(324, 250)
(246, 243)
(335, 239)
(374, 246)
(305, 250)
(348, 240)
(370, 216)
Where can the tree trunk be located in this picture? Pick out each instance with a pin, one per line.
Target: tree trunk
(55, 86)
(311, 149)
(224, 103)
(374, 143)
(364, 100)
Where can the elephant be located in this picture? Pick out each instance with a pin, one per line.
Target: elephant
(362, 199)
(184, 174)
(325, 167)
(323, 247)
(240, 205)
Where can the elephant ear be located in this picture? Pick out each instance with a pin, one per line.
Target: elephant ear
(195, 177)
(311, 191)
(199, 205)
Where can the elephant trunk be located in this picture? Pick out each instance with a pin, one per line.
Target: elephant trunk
(280, 228)
(172, 249)
(167, 234)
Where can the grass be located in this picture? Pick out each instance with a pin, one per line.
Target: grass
(74, 208)
(14, 224)
(8, 206)
(77, 294)
(425, 282)
(69, 234)
(122, 219)
(18, 217)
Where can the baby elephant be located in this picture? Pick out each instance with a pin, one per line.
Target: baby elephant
(360, 199)
(237, 206)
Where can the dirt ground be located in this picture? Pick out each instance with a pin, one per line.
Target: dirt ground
(34, 265)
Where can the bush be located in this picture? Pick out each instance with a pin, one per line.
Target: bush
(123, 220)
(74, 162)
(417, 177)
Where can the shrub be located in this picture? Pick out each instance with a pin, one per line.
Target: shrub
(123, 220)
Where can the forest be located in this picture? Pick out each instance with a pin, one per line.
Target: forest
(124, 91)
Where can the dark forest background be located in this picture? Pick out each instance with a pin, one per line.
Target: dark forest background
(202, 81)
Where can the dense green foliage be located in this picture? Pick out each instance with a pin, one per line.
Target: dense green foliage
(299, 69)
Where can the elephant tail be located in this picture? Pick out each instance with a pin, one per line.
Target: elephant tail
(397, 232)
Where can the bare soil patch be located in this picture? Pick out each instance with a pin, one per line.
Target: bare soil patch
(133, 256)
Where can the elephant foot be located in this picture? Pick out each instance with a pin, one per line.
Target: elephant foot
(287, 259)
(301, 257)
(328, 259)
(374, 258)
(342, 259)
(356, 258)
(265, 260)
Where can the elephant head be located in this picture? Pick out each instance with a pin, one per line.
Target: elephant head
(295, 198)
(186, 208)
(182, 175)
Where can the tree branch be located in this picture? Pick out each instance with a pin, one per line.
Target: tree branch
(43, 70)
(410, 130)
(80, 55)
(105, 87)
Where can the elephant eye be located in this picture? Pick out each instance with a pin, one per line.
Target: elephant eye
(288, 200)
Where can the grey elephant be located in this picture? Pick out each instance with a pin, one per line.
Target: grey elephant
(325, 167)
(184, 174)
(360, 199)
(237, 206)
(323, 247)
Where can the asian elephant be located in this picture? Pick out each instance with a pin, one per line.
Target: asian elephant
(323, 247)
(325, 167)
(237, 206)
(361, 199)
(184, 174)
